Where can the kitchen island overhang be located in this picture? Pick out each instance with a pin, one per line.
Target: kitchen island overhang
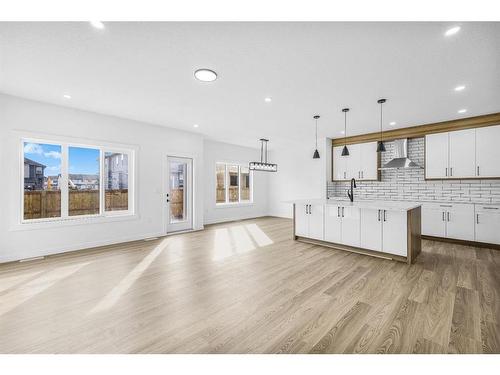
(384, 229)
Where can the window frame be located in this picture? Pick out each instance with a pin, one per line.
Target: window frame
(227, 183)
(65, 144)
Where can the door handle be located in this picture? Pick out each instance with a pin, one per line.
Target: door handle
(478, 170)
(306, 209)
(477, 218)
(362, 174)
(443, 216)
(448, 215)
(342, 211)
(344, 176)
(378, 218)
(310, 209)
(446, 172)
(338, 211)
(451, 171)
(384, 215)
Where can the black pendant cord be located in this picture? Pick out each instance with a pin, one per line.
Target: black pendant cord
(345, 128)
(316, 134)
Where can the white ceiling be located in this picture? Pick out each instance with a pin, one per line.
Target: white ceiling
(144, 71)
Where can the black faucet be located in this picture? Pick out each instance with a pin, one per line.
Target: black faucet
(350, 193)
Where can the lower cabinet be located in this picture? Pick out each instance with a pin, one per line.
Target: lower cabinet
(342, 225)
(309, 221)
(384, 230)
(448, 220)
(487, 224)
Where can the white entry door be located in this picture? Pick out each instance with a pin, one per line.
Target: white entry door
(179, 194)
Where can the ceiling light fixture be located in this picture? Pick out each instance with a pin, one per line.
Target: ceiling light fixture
(205, 75)
(460, 88)
(268, 99)
(462, 110)
(195, 125)
(97, 24)
(67, 96)
(392, 123)
(263, 165)
(345, 151)
(452, 31)
(316, 153)
(380, 144)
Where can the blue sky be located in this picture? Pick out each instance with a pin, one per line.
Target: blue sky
(81, 160)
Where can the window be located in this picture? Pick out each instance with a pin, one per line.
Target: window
(64, 180)
(233, 184)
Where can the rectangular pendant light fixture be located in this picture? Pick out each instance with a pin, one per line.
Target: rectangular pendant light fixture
(263, 165)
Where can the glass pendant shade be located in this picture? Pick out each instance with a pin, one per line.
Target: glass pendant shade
(380, 146)
(316, 154)
(345, 151)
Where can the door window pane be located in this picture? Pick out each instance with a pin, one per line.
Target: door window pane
(220, 173)
(177, 192)
(245, 183)
(234, 194)
(116, 181)
(42, 174)
(83, 181)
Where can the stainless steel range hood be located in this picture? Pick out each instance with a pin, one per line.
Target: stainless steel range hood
(400, 159)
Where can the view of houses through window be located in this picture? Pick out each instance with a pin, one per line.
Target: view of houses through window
(43, 176)
(233, 183)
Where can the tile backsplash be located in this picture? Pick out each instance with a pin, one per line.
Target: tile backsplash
(409, 184)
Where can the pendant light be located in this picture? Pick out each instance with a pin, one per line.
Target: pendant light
(316, 153)
(380, 144)
(345, 151)
(263, 165)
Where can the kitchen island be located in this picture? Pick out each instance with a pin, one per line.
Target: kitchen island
(385, 229)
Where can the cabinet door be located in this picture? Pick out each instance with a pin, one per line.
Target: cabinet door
(433, 222)
(436, 155)
(394, 232)
(369, 161)
(488, 226)
(460, 222)
(371, 229)
(488, 151)
(316, 222)
(462, 153)
(350, 226)
(339, 164)
(301, 220)
(333, 223)
(353, 162)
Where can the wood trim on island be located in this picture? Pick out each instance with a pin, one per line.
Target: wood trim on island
(422, 130)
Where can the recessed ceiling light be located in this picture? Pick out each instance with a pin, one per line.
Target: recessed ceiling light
(452, 31)
(462, 110)
(205, 75)
(67, 96)
(97, 24)
(195, 125)
(268, 99)
(460, 88)
(392, 123)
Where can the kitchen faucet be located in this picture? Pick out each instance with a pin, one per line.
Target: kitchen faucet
(350, 193)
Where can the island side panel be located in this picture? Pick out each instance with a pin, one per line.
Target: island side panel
(414, 234)
(294, 236)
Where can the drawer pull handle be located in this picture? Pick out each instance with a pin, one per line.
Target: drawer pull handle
(490, 208)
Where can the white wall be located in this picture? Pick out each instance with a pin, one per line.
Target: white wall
(153, 142)
(224, 152)
(299, 176)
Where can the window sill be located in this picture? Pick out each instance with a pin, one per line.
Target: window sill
(87, 220)
(234, 205)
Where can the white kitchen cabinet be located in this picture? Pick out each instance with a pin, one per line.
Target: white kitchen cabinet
(460, 222)
(394, 232)
(436, 155)
(462, 153)
(333, 223)
(368, 161)
(371, 229)
(433, 221)
(316, 221)
(487, 224)
(361, 163)
(339, 164)
(488, 151)
(350, 226)
(302, 220)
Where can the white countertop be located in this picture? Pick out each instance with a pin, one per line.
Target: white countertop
(375, 204)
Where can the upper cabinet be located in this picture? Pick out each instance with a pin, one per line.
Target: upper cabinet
(488, 151)
(469, 153)
(361, 163)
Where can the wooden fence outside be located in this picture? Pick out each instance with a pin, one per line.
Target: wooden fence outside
(233, 194)
(46, 204)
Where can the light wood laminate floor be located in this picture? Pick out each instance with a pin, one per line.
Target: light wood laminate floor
(247, 287)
